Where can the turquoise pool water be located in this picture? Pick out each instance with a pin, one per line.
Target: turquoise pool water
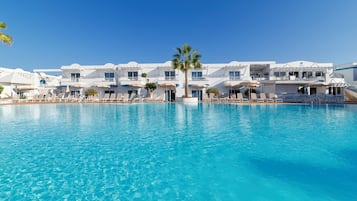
(177, 152)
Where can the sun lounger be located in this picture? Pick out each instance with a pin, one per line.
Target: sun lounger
(106, 97)
(253, 97)
(113, 97)
(240, 98)
(275, 98)
(262, 98)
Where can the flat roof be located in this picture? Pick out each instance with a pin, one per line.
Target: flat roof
(346, 66)
(47, 71)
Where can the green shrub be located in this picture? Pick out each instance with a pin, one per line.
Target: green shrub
(90, 92)
(212, 90)
(1, 89)
(144, 75)
(151, 86)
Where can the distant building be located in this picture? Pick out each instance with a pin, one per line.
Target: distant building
(348, 72)
(18, 83)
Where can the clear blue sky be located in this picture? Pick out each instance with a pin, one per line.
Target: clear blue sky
(49, 34)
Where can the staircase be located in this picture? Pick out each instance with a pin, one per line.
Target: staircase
(350, 94)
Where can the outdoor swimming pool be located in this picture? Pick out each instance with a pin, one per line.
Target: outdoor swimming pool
(178, 152)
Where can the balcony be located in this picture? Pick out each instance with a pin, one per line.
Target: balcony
(70, 81)
(168, 81)
(132, 81)
(198, 82)
(233, 83)
(293, 78)
(170, 78)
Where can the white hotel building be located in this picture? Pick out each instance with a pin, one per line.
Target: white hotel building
(296, 81)
(293, 81)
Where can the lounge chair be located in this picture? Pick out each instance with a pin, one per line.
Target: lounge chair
(262, 98)
(233, 98)
(113, 97)
(119, 97)
(106, 97)
(253, 97)
(240, 98)
(275, 98)
(125, 98)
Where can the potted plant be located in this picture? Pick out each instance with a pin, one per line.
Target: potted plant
(150, 87)
(90, 92)
(212, 90)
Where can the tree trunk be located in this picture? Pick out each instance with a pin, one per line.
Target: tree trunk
(186, 80)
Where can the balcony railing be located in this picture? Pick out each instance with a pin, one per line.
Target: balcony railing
(298, 78)
(133, 78)
(234, 78)
(198, 78)
(170, 78)
(109, 79)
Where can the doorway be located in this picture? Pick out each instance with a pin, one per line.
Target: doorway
(170, 95)
(197, 93)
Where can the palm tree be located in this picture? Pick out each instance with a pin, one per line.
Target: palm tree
(184, 60)
(7, 39)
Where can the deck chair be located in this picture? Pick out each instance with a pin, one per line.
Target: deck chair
(262, 98)
(253, 97)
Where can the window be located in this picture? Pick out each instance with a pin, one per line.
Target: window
(197, 93)
(319, 74)
(296, 74)
(196, 75)
(335, 90)
(75, 93)
(170, 75)
(110, 92)
(133, 75)
(313, 91)
(234, 75)
(42, 82)
(75, 77)
(279, 74)
(309, 74)
(109, 76)
(355, 74)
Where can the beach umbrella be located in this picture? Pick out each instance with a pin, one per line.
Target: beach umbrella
(251, 85)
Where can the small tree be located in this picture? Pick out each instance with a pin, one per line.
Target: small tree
(212, 90)
(144, 75)
(150, 87)
(90, 92)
